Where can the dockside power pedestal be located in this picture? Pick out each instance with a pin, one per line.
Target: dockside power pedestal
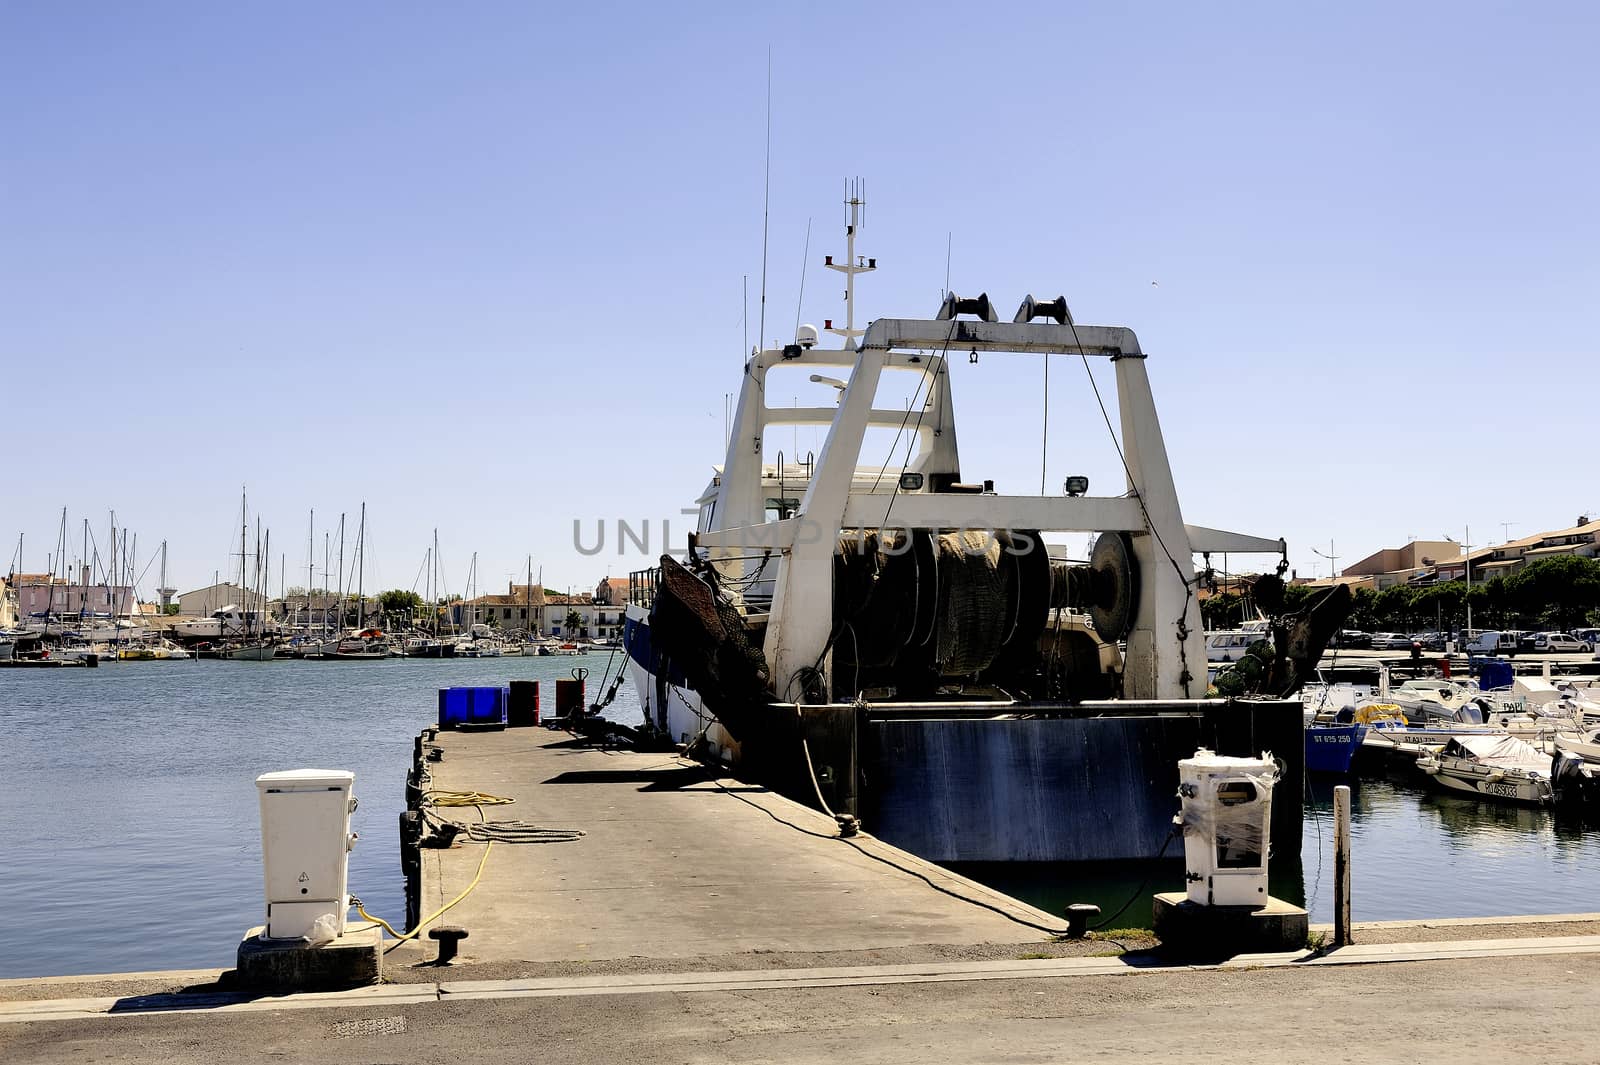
(305, 850)
(1227, 810)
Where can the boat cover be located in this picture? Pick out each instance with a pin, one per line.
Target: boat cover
(1505, 752)
(1536, 690)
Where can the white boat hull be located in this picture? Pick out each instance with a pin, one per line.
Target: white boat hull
(1459, 774)
(1588, 750)
(673, 708)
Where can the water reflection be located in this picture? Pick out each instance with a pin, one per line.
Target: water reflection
(132, 832)
(1416, 853)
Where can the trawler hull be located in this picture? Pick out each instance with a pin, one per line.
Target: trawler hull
(976, 781)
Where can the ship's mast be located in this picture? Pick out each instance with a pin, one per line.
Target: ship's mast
(855, 198)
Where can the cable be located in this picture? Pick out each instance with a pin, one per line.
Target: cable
(401, 937)
(486, 832)
(1316, 818)
(513, 831)
(889, 862)
(1138, 891)
(1185, 678)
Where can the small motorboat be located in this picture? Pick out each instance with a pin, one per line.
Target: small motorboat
(1330, 748)
(1584, 745)
(365, 645)
(1492, 767)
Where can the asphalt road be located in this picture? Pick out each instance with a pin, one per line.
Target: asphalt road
(1524, 1009)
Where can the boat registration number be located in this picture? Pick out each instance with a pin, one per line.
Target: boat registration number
(1509, 791)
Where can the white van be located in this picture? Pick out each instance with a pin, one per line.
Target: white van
(1494, 641)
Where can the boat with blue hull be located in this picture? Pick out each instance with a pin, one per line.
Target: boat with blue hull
(904, 646)
(1332, 748)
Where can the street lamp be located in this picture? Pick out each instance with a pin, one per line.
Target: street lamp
(1333, 569)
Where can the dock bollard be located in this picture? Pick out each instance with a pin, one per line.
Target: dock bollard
(1078, 915)
(448, 938)
(1341, 866)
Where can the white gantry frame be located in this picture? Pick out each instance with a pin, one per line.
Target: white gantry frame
(1165, 656)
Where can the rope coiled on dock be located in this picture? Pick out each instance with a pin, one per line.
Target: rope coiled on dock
(487, 831)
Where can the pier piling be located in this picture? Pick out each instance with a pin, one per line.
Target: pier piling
(1341, 866)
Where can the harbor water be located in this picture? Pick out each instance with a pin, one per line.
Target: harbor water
(133, 841)
(133, 833)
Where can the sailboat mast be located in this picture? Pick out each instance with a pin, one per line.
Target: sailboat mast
(110, 574)
(361, 570)
(341, 571)
(83, 592)
(266, 581)
(244, 528)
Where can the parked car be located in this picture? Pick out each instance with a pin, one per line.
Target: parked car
(1588, 636)
(1430, 641)
(1391, 641)
(1351, 640)
(1552, 643)
(1494, 641)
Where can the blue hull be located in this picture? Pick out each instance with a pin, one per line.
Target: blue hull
(1331, 748)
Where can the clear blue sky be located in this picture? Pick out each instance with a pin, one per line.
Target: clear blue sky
(480, 265)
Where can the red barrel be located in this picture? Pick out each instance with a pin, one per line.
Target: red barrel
(522, 707)
(569, 697)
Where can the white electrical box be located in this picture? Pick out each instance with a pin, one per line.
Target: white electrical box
(305, 851)
(1226, 819)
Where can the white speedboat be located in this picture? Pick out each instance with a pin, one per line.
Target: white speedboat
(1229, 645)
(224, 623)
(1493, 767)
(1585, 745)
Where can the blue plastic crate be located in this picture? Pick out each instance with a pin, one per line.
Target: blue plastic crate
(454, 707)
(486, 706)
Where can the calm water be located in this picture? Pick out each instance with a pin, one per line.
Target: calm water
(131, 831)
(131, 827)
(1415, 854)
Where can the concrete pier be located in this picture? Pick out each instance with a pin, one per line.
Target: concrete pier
(675, 864)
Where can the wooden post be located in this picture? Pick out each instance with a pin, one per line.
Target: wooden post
(1341, 866)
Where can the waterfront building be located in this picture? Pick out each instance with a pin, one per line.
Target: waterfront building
(1582, 539)
(41, 593)
(612, 591)
(520, 607)
(203, 602)
(596, 620)
(533, 608)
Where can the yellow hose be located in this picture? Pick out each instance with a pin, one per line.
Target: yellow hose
(440, 912)
(445, 798)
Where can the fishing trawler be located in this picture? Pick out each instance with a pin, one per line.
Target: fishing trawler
(897, 642)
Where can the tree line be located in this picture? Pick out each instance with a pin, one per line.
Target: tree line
(1562, 592)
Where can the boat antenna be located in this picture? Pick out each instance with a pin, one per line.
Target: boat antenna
(744, 320)
(805, 256)
(766, 205)
(948, 240)
(855, 201)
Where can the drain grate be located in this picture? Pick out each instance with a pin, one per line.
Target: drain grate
(370, 1026)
